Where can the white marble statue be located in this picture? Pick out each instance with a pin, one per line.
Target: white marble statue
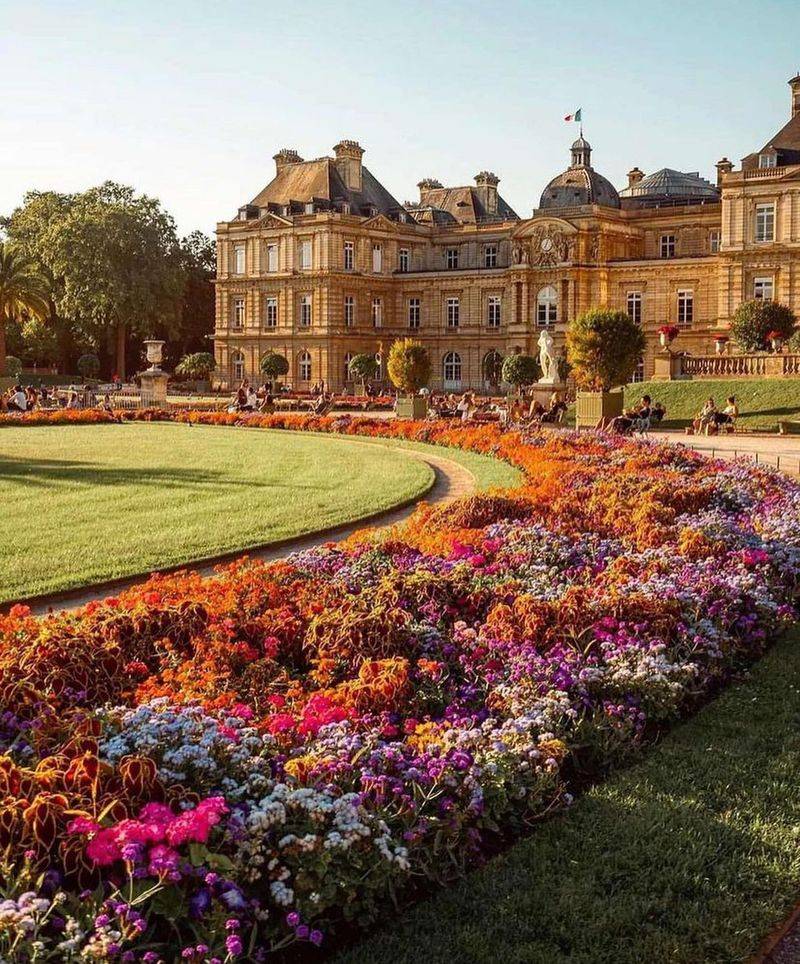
(547, 358)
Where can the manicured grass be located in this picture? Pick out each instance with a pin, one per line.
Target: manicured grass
(762, 403)
(81, 504)
(690, 856)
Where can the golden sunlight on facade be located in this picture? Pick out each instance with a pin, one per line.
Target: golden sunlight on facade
(324, 263)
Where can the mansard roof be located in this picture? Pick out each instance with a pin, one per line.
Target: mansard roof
(465, 205)
(319, 179)
(786, 144)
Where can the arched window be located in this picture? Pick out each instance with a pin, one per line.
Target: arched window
(451, 370)
(547, 307)
(237, 366)
(379, 360)
(348, 357)
(492, 368)
(304, 366)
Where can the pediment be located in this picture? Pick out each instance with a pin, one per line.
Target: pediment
(382, 222)
(544, 224)
(271, 220)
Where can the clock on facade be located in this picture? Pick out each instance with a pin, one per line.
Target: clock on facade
(546, 244)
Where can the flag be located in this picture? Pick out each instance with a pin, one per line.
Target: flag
(574, 117)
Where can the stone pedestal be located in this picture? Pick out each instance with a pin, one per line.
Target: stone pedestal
(667, 367)
(154, 388)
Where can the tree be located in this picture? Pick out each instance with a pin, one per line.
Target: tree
(39, 341)
(13, 366)
(198, 365)
(519, 370)
(89, 366)
(754, 320)
(120, 263)
(364, 367)
(274, 366)
(22, 292)
(409, 365)
(604, 347)
(196, 324)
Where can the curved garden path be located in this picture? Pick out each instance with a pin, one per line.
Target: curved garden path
(451, 480)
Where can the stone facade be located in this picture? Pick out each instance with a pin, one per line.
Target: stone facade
(324, 263)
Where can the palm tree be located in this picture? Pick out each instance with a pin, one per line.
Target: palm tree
(23, 291)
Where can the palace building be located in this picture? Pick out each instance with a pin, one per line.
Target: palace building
(324, 263)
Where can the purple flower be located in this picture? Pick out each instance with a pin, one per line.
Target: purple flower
(293, 919)
(233, 944)
(316, 937)
(302, 931)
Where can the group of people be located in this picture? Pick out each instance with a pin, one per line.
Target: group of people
(640, 418)
(710, 419)
(29, 399)
(517, 411)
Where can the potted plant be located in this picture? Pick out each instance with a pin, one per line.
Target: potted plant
(775, 339)
(409, 369)
(667, 334)
(198, 366)
(363, 367)
(604, 347)
(274, 366)
(520, 370)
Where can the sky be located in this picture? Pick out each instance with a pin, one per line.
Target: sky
(188, 100)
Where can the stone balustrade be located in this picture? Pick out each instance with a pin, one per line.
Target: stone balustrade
(757, 365)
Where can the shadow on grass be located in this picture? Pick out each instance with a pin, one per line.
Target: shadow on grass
(54, 472)
(689, 856)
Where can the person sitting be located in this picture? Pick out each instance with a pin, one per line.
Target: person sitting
(556, 411)
(658, 413)
(643, 415)
(623, 424)
(726, 418)
(536, 411)
(17, 400)
(267, 404)
(705, 415)
(322, 404)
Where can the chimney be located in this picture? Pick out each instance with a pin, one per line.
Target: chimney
(794, 84)
(486, 183)
(634, 176)
(723, 167)
(348, 163)
(426, 185)
(284, 157)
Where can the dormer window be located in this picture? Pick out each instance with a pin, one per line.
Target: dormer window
(768, 160)
(309, 207)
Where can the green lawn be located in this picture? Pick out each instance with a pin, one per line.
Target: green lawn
(762, 402)
(689, 857)
(83, 504)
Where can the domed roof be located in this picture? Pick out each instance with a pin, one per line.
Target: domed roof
(577, 186)
(669, 183)
(580, 184)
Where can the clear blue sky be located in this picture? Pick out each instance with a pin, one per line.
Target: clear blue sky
(188, 99)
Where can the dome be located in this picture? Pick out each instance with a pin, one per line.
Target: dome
(668, 183)
(578, 186)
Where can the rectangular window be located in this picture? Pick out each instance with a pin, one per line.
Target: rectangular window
(763, 289)
(413, 313)
(271, 313)
(685, 306)
(490, 256)
(452, 312)
(451, 258)
(305, 311)
(765, 222)
(238, 312)
(238, 259)
(349, 255)
(667, 246)
(404, 260)
(767, 160)
(349, 311)
(377, 258)
(272, 257)
(634, 306)
(494, 309)
(638, 373)
(713, 242)
(377, 312)
(305, 255)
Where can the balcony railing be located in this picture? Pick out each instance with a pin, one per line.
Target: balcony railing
(741, 366)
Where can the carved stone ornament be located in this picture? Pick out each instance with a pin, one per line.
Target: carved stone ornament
(549, 246)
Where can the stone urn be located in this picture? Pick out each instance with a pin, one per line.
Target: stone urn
(154, 380)
(155, 350)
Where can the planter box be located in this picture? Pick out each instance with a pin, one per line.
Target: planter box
(591, 408)
(415, 408)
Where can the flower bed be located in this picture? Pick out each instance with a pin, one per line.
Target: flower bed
(263, 758)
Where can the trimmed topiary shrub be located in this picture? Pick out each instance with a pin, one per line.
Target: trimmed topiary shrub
(520, 370)
(604, 347)
(409, 365)
(89, 366)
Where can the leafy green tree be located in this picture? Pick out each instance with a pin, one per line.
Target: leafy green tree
(603, 348)
(13, 366)
(200, 364)
(89, 365)
(754, 320)
(519, 370)
(364, 367)
(121, 265)
(196, 324)
(274, 366)
(39, 339)
(22, 292)
(408, 365)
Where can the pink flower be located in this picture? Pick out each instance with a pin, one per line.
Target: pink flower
(83, 825)
(103, 849)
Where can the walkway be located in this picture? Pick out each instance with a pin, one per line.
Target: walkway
(781, 451)
(451, 480)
